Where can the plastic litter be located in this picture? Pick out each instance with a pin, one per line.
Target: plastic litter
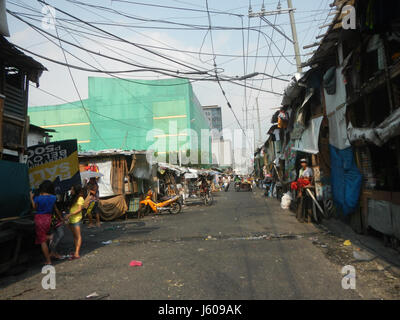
(135, 263)
(362, 256)
(92, 295)
(347, 243)
(286, 201)
(96, 296)
(107, 242)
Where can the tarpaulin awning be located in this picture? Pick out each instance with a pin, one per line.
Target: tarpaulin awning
(346, 179)
(191, 175)
(167, 166)
(298, 126)
(388, 129)
(105, 187)
(336, 111)
(141, 168)
(292, 90)
(308, 142)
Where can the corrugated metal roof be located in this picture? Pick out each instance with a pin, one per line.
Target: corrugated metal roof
(109, 152)
(15, 58)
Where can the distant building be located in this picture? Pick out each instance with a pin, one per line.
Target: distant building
(131, 115)
(214, 116)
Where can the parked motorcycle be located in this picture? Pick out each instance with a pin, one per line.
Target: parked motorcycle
(172, 205)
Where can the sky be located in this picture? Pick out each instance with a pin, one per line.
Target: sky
(239, 47)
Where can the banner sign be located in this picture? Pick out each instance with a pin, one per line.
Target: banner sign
(55, 161)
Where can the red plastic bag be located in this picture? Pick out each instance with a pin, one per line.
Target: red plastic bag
(135, 263)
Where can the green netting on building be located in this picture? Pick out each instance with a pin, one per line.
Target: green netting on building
(125, 114)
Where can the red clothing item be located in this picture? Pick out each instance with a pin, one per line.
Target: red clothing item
(299, 184)
(92, 167)
(42, 227)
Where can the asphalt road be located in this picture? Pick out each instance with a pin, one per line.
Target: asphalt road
(242, 247)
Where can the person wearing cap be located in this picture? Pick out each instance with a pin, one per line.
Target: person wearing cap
(305, 172)
(305, 177)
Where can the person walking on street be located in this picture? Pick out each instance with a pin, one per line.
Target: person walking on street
(74, 218)
(93, 190)
(57, 227)
(44, 205)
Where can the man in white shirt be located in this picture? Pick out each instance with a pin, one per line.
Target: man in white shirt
(305, 172)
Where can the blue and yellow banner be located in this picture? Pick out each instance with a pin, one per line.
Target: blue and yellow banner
(55, 161)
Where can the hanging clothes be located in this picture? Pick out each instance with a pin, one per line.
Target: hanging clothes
(283, 119)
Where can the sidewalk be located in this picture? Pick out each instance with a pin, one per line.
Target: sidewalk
(389, 258)
(377, 267)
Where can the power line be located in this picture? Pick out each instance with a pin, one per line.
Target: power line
(124, 40)
(77, 91)
(215, 66)
(175, 8)
(163, 48)
(158, 70)
(94, 112)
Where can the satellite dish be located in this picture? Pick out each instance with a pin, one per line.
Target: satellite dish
(3, 19)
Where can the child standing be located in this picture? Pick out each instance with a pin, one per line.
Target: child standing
(74, 218)
(44, 205)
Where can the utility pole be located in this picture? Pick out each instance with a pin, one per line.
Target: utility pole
(262, 14)
(294, 34)
(258, 119)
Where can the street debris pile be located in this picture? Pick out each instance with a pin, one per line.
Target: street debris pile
(381, 282)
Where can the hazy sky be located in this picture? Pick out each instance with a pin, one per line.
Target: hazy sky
(309, 15)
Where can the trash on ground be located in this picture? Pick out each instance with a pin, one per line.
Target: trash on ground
(92, 295)
(107, 242)
(362, 256)
(95, 296)
(286, 201)
(347, 243)
(135, 263)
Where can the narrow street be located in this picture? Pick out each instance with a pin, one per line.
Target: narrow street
(242, 247)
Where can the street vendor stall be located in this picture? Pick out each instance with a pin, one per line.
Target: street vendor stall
(169, 176)
(118, 186)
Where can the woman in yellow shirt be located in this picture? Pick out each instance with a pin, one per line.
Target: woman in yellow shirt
(74, 218)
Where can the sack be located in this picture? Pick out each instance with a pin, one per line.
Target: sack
(286, 201)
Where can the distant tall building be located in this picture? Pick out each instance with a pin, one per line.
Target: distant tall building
(214, 116)
(221, 149)
(130, 114)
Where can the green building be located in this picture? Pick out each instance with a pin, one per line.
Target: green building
(161, 115)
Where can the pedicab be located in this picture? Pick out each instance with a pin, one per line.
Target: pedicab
(244, 185)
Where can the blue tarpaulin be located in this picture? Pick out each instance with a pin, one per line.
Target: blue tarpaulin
(346, 179)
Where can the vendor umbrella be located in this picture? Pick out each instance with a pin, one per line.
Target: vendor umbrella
(90, 174)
